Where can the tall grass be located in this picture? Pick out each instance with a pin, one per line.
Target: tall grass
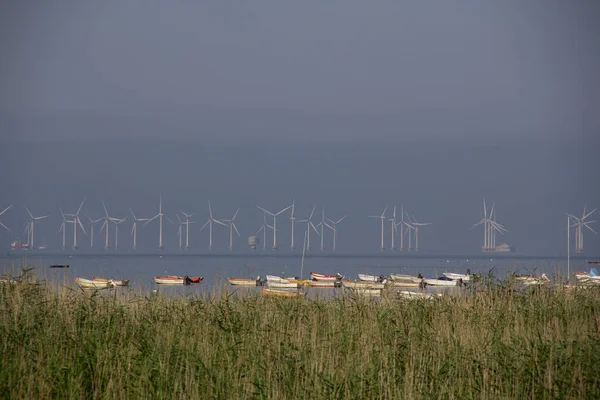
(497, 343)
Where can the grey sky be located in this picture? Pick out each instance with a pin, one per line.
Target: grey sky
(434, 104)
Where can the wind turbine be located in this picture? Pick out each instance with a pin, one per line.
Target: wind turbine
(179, 229)
(333, 227)
(416, 226)
(490, 227)
(63, 228)
(263, 228)
(31, 226)
(117, 222)
(3, 211)
(579, 224)
(76, 221)
(231, 224)
(274, 215)
(322, 225)
(293, 219)
(160, 223)
(382, 217)
(187, 228)
(210, 222)
(134, 227)
(92, 223)
(309, 225)
(394, 229)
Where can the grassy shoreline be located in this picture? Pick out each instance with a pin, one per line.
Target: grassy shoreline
(498, 343)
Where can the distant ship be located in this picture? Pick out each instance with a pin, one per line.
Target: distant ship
(19, 245)
(503, 248)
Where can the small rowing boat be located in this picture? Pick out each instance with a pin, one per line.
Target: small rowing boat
(324, 284)
(60, 266)
(275, 278)
(281, 293)
(406, 284)
(530, 280)
(440, 282)
(284, 284)
(177, 280)
(117, 282)
(364, 291)
(325, 278)
(371, 278)
(363, 284)
(465, 277)
(93, 284)
(402, 277)
(244, 281)
(407, 294)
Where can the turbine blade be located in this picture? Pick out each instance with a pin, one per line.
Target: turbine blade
(204, 226)
(5, 210)
(236, 229)
(268, 212)
(235, 215)
(81, 205)
(6, 227)
(29, 212)
(312, 212)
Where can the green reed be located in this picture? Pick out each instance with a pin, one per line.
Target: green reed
(493, 343)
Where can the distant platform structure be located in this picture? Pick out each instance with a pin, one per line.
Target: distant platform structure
(252, 242)
(503, 248)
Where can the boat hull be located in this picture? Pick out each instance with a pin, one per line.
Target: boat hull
(243, 282)
(456, 277)
(363, 285)
(323, 277)
(116, 282)
(324, 284)
(406, 284)
(281, 293)
(364, 291)
(284, 285)
(440, 282)
(401, 277)
(369, 278)
(92, 284)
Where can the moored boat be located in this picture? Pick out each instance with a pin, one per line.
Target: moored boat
(176, 280)
(244, 281)
(440, 282)
(371, 278)
(275, 278)
(59, 266)
(324, 277)
(281, 293)
(284, 284)
(406, 284)
(530, 280)
(407, 294)
(324, 284)
(93, 284)
(364, 291)
(402, 277)
(363, 284)
(116, 282)
(454, 276)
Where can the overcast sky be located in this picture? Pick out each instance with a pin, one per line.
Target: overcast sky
(349, 104)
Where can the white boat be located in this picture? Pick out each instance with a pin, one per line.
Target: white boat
(284, 284)
(92, 284)
(440, 282)
(364, 292)
(116, 282)
(370, 278)
(406, 284)
(323, 284)
(244, 281)
(407, 294)
(275, 278)
(363, 285)
(402, 277)
(325, 278)
(530, 280)
(456, 277)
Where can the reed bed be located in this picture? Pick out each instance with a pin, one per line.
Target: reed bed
(493, 343)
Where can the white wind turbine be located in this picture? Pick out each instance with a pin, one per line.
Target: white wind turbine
(293, 220)
(309, 226)
(3, 211)
(210, 222)
(274, 215)
(322, 226)
(187, 228)
(31, 226)
(105, 226)
(117, 222)
(232, 227)
(92, 223)
(416, 226)
(160, 216)
(134, 227)
(179, 230)
(382, 217)
(63, 228)
(394, 229)
(263, 228)
(76, 221)
(579, 224)
(490, 227)
(333, 226)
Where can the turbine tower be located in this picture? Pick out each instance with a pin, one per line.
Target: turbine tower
(394, 229)
(274, 215)
(416, 226)
(232, 227)
(31, 226)
(210, 222)
(309, 225)
(382, 217)
(490, 227)
(76, 221)
(179, 230)
(92, 223)
(187, 228)
(160, 216)
(63, 228)
(117, 222)
(333, 226)
(293, 219)
(579, 224)
(263, 228)
(134, 227)
(3, 211)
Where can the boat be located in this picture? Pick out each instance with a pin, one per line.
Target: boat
(402, 277)
(407, 294)
(116, 282)
(530, 280)
(281, 293)
(244, 281)
(93, 284)
(176, 280)
(588, 278)
(324, 284)
(406, 284)
(454, 276)
(284, 284)
(325, 278)
(363, 284)
(275, 278)
(60, 266)
(440, 282)
(302, 282)
(364, 291)
(19, 245)
(371, 278)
